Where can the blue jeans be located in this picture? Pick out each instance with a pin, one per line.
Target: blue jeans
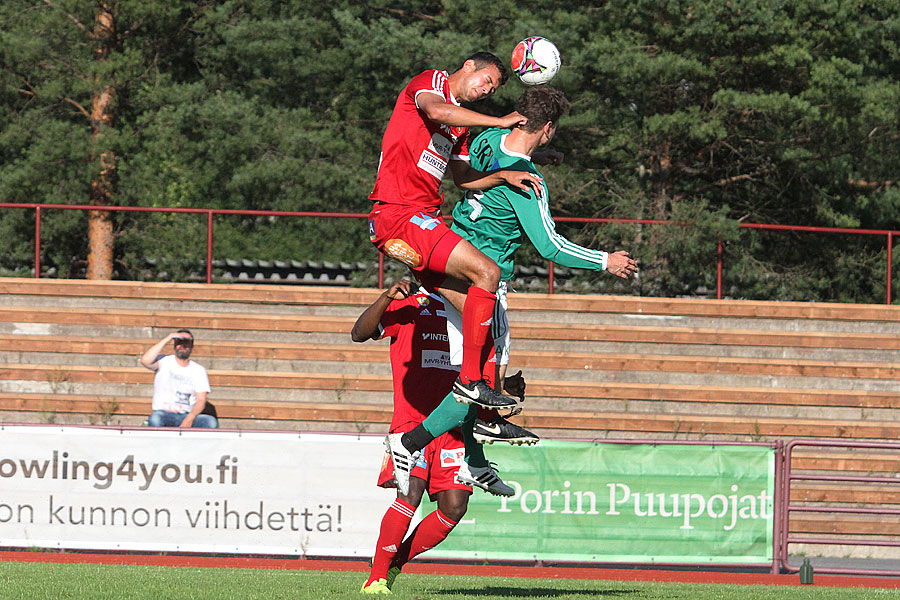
(164, 418)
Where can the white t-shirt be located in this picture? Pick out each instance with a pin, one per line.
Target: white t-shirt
(175, 387)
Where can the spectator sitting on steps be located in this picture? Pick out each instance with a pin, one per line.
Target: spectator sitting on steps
(180, 386)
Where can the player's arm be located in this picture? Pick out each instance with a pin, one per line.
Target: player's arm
(149, 358)
(198, 407)
(367, 325)
(467, 178)
(538, 225)
(436, 109)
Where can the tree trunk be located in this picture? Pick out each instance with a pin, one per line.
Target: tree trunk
(661, 187)
(100, 228)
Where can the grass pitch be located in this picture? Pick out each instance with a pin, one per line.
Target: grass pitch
(43, 581)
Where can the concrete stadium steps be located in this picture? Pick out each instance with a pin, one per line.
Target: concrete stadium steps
(844, 494)
(869, 460)
(568, 423)
(785, 316)
(644, 384)
(283, 356)
(669, 410)
(596, 366)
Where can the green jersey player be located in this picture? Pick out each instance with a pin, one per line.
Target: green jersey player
(497, 219)
(494, 221)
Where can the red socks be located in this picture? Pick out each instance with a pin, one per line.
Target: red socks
(476, 326)
(393, 528)
(433, 530)
(389, 551)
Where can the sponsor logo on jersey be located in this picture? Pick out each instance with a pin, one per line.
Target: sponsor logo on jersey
(440, 337)
(441, 145)
(432, 164)
(372, 235)
(452, 457)
(435, 157)
(437, 359)
(400, 250)
(425, 222)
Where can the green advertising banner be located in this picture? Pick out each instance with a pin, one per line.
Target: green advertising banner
(607, 502)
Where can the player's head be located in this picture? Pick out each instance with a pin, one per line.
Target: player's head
(482, 74)
(543, 106)
(184, 345)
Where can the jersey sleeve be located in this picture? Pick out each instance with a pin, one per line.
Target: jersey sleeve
(533, 213)
(427, 82)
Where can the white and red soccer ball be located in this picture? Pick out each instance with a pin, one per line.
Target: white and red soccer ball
(535, 60)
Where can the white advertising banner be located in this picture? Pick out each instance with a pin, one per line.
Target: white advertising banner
(190, 490)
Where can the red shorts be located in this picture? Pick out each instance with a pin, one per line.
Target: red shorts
(420, 240)
(437, 466)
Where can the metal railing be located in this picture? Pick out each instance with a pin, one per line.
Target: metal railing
(212, 212)
(852, 480)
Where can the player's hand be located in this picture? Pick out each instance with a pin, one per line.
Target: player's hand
(547, 157)
(401, 289)
(514, 385)
(523, 180)
(620, 264)
(512, 120)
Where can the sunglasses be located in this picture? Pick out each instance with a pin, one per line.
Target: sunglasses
(183, 342)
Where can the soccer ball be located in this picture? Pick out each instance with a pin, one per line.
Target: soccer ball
(535, 60)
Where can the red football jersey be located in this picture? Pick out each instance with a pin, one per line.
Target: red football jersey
(415, 151)
(420, 355)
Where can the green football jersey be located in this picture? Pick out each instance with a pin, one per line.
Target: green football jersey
(495, 220)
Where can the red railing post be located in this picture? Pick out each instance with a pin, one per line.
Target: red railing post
(890, 249)
(720, 258)
(37, 242)
(209, 245)
(550, 278)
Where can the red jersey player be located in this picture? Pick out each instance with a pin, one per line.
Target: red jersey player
(427, 134)
(422, 375)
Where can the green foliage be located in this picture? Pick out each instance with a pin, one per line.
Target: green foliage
(706, 112)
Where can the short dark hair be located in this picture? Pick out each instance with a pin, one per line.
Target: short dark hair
(541, 104)
(187, 331)
(486, 59)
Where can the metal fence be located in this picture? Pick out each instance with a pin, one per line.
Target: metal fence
(210, 213)
(852, 493)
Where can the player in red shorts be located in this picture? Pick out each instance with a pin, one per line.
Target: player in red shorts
(422, 376)
(428, 133)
